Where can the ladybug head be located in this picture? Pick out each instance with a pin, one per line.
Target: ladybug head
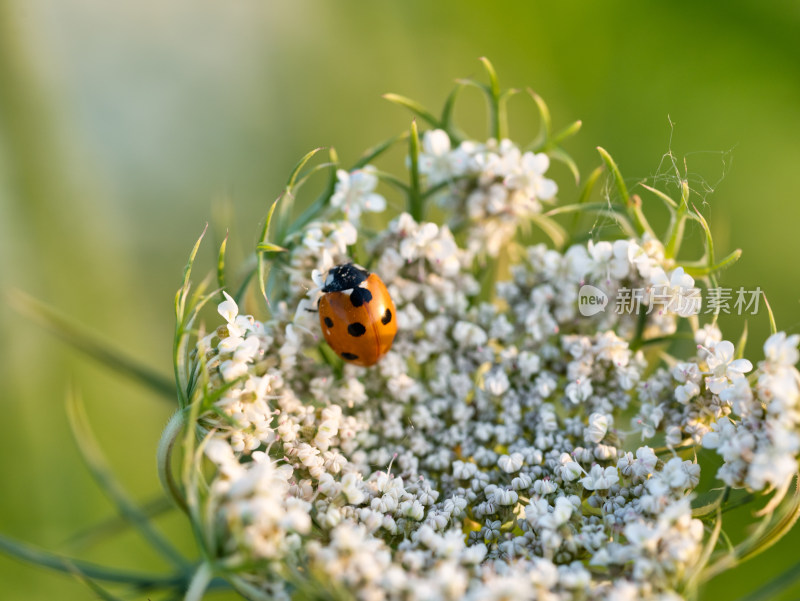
(344, 277)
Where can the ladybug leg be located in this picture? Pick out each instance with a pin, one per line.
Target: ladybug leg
(315, 310)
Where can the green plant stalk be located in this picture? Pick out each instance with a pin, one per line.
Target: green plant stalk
(102, 352)
(53, 561)
(92, 456)
(199, 583)
(771, 589)
(759, 543)
(115, 524)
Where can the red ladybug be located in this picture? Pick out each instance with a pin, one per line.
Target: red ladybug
(357, 315)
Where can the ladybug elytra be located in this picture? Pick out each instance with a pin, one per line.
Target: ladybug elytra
(357, 315)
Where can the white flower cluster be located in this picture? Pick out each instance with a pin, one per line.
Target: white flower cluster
(482, 457)
(495, 185)
(760, 447)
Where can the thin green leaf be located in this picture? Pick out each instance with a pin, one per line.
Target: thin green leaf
(183, 326)
(98, 590)
(286, 208)
(373, 153)
(708, 502)
(389, 178)
(709, 239)
(502, 112)
(773, 328)
(300, 182)
(593, 207)
(221, 264)
(182, 318)
(495, 108)
(446, 122)
(616, 212)
(270, 215)
(615, 172)
(210, 397)
(710, 269)
(553, 230)
(667, 200)
(319, 204)
(261, 260)
(586, 192)
(545, 124)
(103, 476)
(666, 339)
(290, 184)
(567, 132)
(561, 156)
(415, 205)
(415, 107)
(79, 338)
(589, 185)
(740, 346)
(641, 322)
(677, 223)
(268, 247)
(442, 185)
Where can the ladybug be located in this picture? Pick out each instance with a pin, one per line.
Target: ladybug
(356, 314)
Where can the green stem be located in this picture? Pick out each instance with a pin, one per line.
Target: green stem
(98, 467)
(771, 589)
(59, 563)
(116, 524)
(78, 337)
(199, 583)
(164, 458)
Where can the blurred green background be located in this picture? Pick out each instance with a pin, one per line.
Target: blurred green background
(125, 127)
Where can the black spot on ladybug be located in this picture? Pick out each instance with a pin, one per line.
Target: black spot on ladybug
(387, 317)
(359, 296)
(356, 329)
(349, 356)
(329, 322)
